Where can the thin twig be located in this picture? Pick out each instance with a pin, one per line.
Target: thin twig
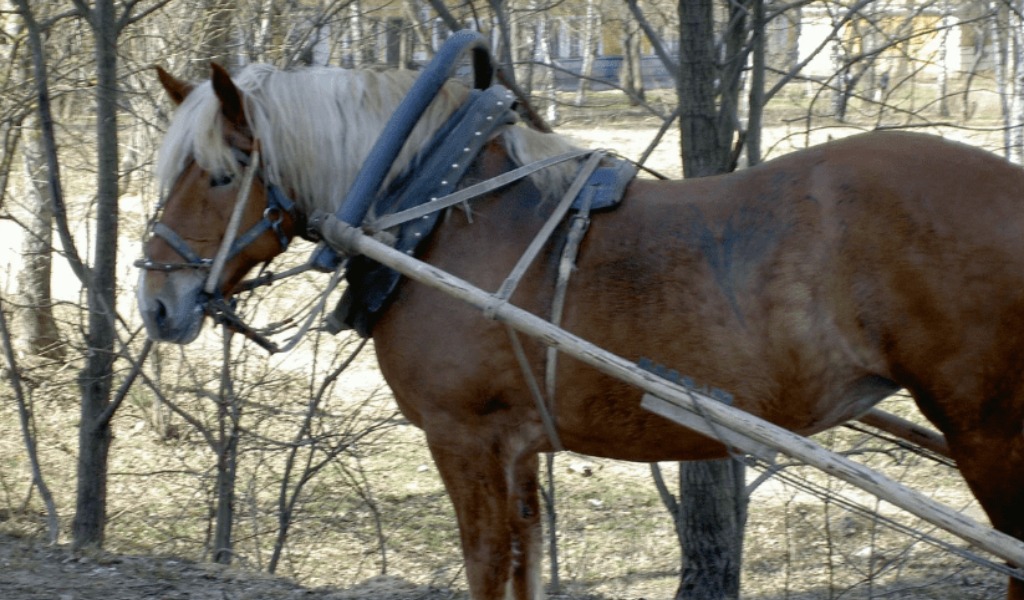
(24, 414)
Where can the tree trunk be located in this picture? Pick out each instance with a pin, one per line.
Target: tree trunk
(944, 51)
(840, 82)
(705, 149)
(1001, 31)
(96, 378)
(712, 512)
(632, 71)
(712, 501)
(37, 329)
(358, 43)
(547, 78)
(11, 125)
(227, 461)
(503, 51)
(758, 74)
(591, 31)
(1016, 119)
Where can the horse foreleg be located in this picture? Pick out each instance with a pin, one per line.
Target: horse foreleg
(526, 528)
(497, 540)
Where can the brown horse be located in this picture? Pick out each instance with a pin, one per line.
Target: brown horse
(809, 287)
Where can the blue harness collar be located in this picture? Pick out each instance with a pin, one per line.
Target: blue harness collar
(435, 172)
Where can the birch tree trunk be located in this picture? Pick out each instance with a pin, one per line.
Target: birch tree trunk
(547, 78)
(591, 31)
(943, 83)
(1015, 119)
(37, 333)
(357, 39)
(1001, 33)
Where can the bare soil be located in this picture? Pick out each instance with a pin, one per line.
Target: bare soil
(30, 570)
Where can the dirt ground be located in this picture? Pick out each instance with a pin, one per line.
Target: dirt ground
(32, 571)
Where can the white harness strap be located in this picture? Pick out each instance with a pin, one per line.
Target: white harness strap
(546, 407)
(233, 224)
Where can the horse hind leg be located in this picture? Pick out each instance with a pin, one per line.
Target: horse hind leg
(989, 452)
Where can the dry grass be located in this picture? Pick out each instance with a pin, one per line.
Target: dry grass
(615, 538)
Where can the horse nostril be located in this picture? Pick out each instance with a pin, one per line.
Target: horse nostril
(160, 314)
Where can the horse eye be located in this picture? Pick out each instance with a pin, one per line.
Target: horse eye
(220, 180)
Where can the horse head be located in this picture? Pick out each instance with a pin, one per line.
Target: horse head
(195, 219)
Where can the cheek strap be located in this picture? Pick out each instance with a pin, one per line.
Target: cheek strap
(228, 244)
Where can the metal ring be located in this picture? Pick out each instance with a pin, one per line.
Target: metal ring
(273, 215)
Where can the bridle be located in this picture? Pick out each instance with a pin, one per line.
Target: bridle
(278, 205)
(211, 298)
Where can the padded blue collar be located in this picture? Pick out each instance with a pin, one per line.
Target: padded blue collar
(371, 176)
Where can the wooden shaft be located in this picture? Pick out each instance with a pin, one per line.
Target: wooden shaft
(907, 431)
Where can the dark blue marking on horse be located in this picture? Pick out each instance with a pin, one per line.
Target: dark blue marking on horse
(736, 251)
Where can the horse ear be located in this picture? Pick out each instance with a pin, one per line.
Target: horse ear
(175, 88)
(231, 105)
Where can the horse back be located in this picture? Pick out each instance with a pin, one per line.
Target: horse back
(819, 281)
(807, 288)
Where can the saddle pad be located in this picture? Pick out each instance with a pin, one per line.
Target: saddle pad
(606, 185)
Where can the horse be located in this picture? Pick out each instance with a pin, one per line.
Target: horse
(809, 288)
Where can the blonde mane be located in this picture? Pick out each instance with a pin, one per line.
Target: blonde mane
(317, 125)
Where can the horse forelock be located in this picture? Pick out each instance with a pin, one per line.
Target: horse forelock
(316, 127)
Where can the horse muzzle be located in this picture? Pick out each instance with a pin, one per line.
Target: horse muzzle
(172, 311)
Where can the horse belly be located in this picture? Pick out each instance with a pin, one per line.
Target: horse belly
(601, 416)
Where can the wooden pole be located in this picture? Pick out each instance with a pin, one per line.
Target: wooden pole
(668, 399)
(907, 431)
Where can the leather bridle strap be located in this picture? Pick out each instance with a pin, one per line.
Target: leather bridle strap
(179, 245)
(278, 204)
